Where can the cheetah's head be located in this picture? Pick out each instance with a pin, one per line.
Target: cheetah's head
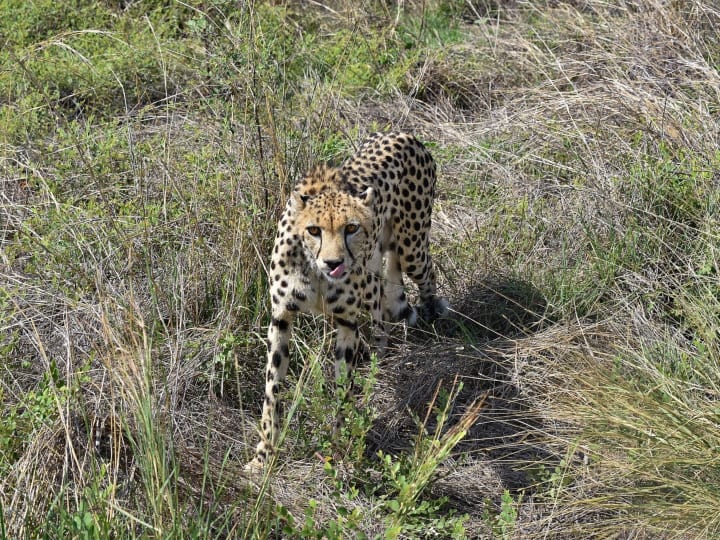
(335, 229)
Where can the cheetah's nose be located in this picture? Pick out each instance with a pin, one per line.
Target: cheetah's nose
(333, 264)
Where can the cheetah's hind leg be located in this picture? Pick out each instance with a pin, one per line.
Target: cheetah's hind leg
(395, 303)
(433, 308)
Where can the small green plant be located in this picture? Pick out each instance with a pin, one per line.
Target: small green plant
(345, 525)
(82, 523)
(224, 368)
(36, 408)
(408, 476)
(504, 522)
(353, 403)
(552, 481)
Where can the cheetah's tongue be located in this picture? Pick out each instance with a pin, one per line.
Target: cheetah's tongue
(338, 271)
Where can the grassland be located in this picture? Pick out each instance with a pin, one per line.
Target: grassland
(147, 149)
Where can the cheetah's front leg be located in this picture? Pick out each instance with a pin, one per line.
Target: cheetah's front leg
(349, 349)
(275, 372)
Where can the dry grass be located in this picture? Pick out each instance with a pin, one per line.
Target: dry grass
(576, 229)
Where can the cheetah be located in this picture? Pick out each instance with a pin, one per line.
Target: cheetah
(344, 240)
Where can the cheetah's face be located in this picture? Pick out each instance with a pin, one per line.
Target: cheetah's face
(335, 230)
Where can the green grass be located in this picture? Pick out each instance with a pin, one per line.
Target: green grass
(147, 151)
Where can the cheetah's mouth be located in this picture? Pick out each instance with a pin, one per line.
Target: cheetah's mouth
(337, 272)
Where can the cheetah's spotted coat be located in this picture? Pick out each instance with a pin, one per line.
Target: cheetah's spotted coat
(338, 226)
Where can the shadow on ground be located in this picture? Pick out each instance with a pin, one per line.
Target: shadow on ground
(501, 308)
(475, 347)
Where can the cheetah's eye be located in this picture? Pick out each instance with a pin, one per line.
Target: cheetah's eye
(313, 231)
(351, 228)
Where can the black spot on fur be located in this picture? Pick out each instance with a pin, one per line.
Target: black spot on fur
(299, 295)
(346, 323)
(281, 324)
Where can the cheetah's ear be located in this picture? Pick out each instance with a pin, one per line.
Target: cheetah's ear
(298, 200)
(367, 196)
